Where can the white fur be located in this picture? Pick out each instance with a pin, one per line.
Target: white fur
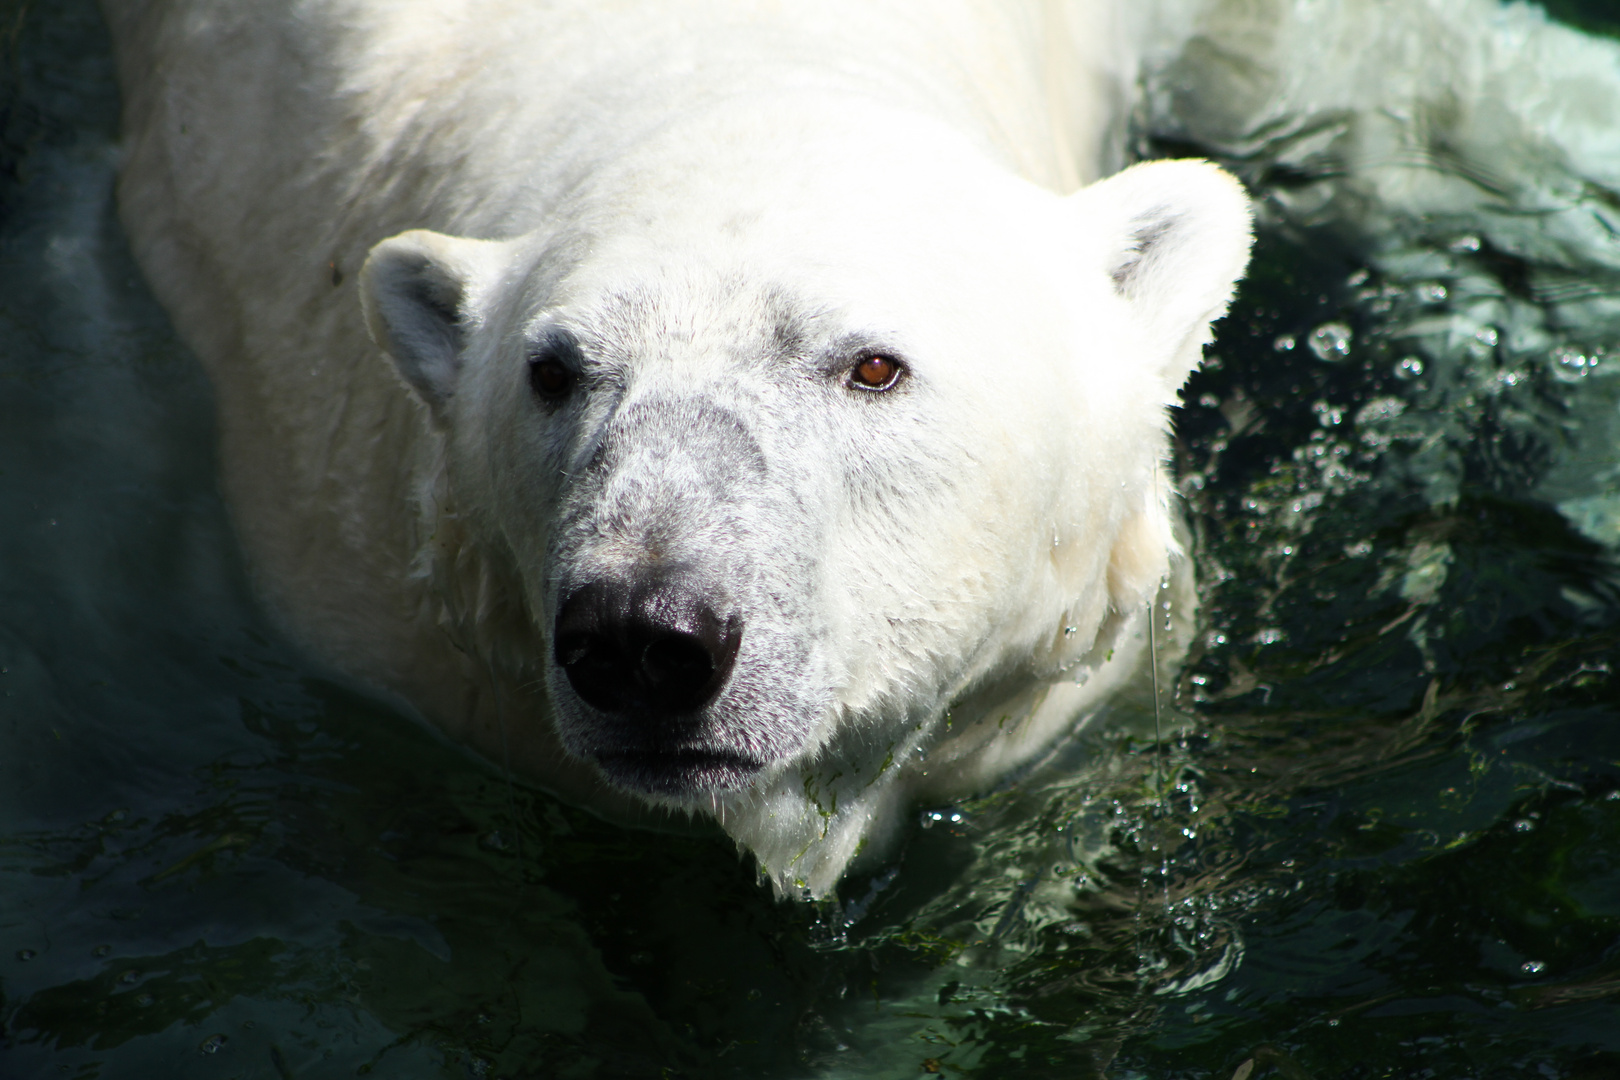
(930, 575)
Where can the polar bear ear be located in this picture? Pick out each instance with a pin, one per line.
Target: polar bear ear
(1175, 238)
(421, 292)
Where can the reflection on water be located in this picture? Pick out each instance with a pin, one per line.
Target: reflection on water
(1387, 840)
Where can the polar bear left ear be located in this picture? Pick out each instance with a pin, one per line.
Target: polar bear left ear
(421, 292)
(1175, 238)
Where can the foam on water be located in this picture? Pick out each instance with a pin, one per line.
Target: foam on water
(1469, 152)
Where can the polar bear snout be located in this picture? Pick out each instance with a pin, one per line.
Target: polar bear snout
(650, 661)
(650, 653)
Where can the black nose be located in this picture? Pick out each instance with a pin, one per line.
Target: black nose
(652, 650)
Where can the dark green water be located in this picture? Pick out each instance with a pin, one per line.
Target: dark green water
(1390, 844)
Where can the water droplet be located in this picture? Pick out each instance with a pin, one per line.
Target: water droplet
(1430, 292)
(1284, 343)
(1209, 401)
(1330, 341)
(1487, 336)
(1409, 368)
(26, 955)
(213, 1044)
(1465, 244)
(1070, 631)
(1532, 967)
(1524, 825)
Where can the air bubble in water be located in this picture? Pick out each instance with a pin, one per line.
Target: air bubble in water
(1532, 967)
(1284, 343)
(1574, 365)
(1330, 341)
(1430, 292)
(1327, 415)
(1409, 368)
(213, 1044)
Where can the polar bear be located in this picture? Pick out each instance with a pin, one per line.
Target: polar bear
(774, 399)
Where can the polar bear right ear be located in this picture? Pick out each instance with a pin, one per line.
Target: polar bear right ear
(1175, 238)
(421, 292)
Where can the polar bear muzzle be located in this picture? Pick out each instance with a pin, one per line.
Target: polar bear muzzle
(647, 659)
(680, 577)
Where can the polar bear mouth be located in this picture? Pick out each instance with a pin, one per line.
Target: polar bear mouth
(677, 772)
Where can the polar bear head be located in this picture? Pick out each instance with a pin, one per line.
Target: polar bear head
(790, 462)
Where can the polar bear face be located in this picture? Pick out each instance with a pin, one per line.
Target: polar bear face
(776, 472)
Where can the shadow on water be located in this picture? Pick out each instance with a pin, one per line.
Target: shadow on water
(1385, 839)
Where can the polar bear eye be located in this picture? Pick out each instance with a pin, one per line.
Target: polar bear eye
(875, 372)
(550, 378)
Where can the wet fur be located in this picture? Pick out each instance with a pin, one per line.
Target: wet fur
(722, 210)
